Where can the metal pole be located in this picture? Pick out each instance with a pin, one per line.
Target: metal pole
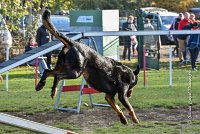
(144, 64)
(7, 58)
(24, 29)
(170, 66)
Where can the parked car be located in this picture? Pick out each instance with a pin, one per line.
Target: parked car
(61, 22)
(162, 20)
(147, 10)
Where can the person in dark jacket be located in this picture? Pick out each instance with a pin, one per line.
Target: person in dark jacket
(31, 44)
(194, 47)
(127, 26)
(43, 36)
(184, 38)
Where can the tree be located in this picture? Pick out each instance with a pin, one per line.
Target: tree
(175, 5)
(104, 4)
(15, 10)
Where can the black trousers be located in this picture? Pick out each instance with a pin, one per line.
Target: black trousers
(176, 43)
(194, 52)
(127, 48)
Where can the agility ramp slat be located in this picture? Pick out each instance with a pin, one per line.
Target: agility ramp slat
(30, 55)
(31, 125)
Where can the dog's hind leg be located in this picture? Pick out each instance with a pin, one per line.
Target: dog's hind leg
(59, 76)
(42, 81)
(110, 99)
(124, 100)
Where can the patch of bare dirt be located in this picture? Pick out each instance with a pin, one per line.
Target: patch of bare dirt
(105, 117)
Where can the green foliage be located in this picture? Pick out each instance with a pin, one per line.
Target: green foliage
(14, 10)
(102, 4)
(5, 129)
(153, 127)
(175, 5)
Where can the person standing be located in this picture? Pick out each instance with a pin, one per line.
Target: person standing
(175, 27)
(194, 47)
(43, 36)
(134, 42)
(127, 40)
(182, 41)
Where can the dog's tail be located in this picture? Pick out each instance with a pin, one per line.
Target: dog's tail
(137, 70)
(49, 26)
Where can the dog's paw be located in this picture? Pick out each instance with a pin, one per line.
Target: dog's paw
(53, 93)
(123, 120)
(40, 85)
(136, 121)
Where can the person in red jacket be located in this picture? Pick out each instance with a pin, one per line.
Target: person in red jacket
(184, 21)
(182, 42)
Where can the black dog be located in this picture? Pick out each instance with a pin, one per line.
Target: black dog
(102, 73)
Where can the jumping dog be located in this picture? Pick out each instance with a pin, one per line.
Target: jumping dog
(102, 73)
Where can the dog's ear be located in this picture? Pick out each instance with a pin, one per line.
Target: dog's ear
(137, 70)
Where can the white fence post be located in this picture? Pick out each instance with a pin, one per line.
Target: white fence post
(7, 58)
(170, 66)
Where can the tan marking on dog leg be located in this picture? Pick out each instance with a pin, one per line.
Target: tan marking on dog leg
(124, 100)
(86, 75)
(134, 117)
(129, 93)
(53, 93)
(117, 109)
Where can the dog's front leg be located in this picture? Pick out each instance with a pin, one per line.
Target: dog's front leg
(59, 76)
(42, 81)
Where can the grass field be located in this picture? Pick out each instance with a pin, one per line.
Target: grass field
(23, 99)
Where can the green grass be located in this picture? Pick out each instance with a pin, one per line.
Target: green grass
(22, 97)
(154, 127)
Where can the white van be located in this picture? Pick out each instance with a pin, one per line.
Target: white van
(162, 20)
